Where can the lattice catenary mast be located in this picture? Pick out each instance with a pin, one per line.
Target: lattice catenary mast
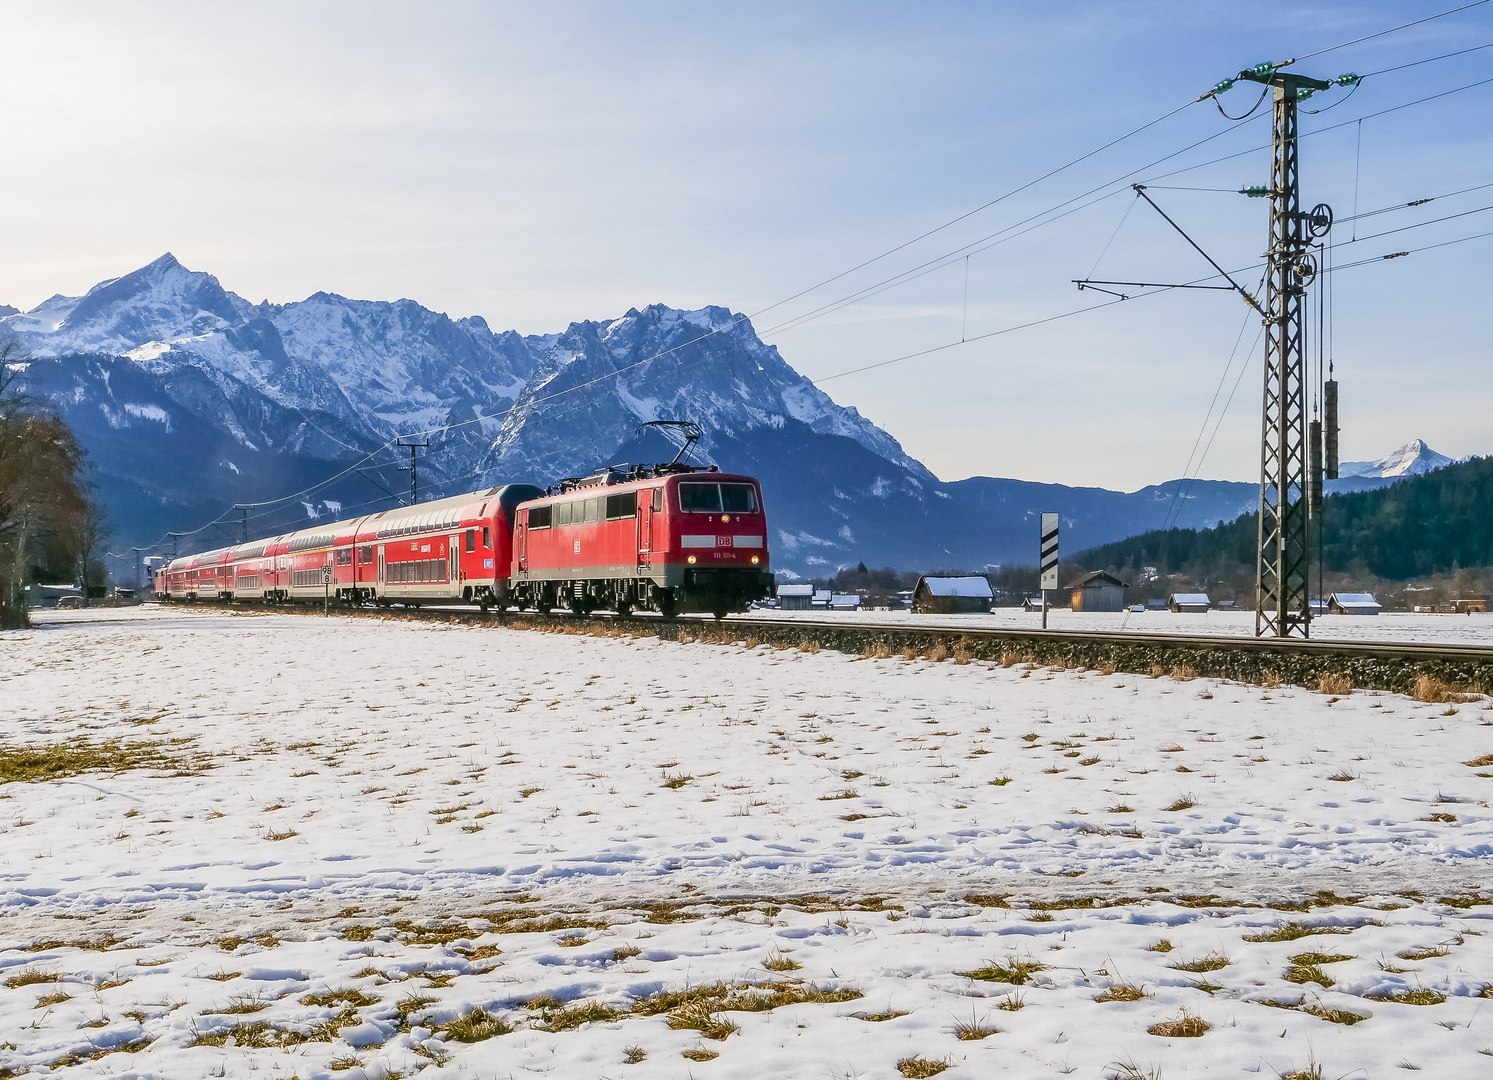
(1287, 459)
(1291, 465)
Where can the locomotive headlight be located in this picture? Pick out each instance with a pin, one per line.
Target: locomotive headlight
(755, 560)
(690, 560)
(725, 517)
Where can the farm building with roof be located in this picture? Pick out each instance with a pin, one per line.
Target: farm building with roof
(1098, 591)
(795, 597)
(1352, 603)
(951, 595)
(1196, 602)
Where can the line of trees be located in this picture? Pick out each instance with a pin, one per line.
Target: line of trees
(50, 529)
(1439, 524)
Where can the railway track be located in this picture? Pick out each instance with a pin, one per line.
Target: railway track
(1392, 666)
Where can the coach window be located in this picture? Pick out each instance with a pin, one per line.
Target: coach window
(366, 555)
(471, 540)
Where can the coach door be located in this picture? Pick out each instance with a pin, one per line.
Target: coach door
(453, 564)
(381, 568)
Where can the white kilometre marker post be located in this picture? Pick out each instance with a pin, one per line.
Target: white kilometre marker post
(1049, 560)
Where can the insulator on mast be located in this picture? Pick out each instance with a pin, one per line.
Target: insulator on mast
(1314, 466)
(1329, 410)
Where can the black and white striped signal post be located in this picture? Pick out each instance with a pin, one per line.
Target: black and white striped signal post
(1049, 561)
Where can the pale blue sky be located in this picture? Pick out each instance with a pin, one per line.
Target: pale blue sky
(540, 163)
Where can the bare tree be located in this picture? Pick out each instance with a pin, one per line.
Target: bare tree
(85, 531)
(42, 502)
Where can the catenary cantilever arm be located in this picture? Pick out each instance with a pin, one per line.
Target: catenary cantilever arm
(1140, 189)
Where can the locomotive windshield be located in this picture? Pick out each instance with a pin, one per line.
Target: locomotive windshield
(713, 498)
(738, 498)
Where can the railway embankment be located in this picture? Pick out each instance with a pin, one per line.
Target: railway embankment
(1394, 667)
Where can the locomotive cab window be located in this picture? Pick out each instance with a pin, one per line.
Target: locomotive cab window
(486, 537)
(738, 498)
(711, 498)
(700, 498)
(658, 500)
(471, 540)
(540, 517)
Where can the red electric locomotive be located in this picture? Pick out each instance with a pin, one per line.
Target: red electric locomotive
(666, 538)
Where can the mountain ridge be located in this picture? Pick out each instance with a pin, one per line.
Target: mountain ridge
(190, 399)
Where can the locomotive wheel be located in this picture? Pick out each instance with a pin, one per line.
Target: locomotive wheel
(542, 607)
(624, 609)
(668, 607)
(721, 613)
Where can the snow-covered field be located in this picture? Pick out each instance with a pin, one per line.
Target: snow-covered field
(348, 836)
(1391, 626)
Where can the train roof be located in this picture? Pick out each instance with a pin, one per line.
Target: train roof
(432, 515)
(585, 487)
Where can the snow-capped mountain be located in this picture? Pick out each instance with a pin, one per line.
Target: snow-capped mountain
(604, 379)
(190, 398)
(386, 369)
(381, 368)
(1412, 459)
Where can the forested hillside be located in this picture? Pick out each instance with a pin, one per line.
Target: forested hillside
(1436, 523)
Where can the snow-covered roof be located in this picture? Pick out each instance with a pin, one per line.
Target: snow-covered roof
(845, 600)
(795, 590)
(957, 586)
(1354, 598)
(1190, 598)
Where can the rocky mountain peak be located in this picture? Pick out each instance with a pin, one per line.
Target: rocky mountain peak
(1412, 459)
(162, 301)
